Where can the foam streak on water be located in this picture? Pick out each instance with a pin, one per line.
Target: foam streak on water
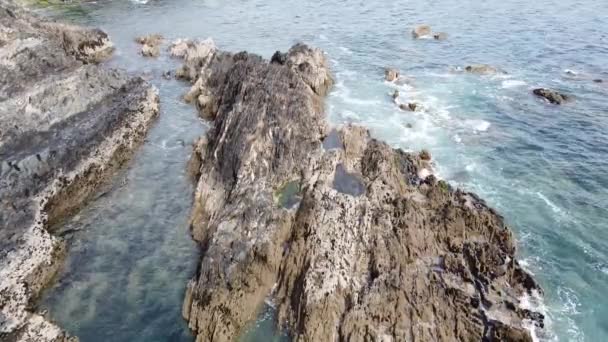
(544, 167)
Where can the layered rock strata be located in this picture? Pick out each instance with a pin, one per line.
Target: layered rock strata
(352, 239)
(65, 125)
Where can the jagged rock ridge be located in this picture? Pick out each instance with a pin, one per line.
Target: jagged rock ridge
(373, 249)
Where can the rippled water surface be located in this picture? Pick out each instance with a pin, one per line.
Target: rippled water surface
(544, 167)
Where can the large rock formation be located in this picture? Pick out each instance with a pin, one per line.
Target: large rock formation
(349, 237)
(65, 125)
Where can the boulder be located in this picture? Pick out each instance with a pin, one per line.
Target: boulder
(150, 45)
(395, 95)
(551, 95)
(347, 241)
(481, 69)
(66, 125)
(391, 74)
(421, 31)
(410, 106)
(425, 155)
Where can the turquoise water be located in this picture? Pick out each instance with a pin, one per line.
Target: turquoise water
(544, 167)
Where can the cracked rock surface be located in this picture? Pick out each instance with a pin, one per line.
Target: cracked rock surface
(65, 124)
(354, 241)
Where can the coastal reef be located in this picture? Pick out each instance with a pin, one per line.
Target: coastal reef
(349, 238)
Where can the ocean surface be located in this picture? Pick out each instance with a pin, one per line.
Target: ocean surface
(544, 167)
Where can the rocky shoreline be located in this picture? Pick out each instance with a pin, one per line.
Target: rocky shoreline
(350, 238)
(66, 125)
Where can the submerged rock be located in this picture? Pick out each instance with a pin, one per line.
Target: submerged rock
(65, 125)
(421, 31)
(371, 252)
(482, 69)
(150, 45)
(410, 106)
(395, 95)
(551, 95)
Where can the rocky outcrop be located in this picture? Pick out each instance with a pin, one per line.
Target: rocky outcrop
(353, 240)
(150, 45)
(65, 125)
(551, 95)
(424, 31)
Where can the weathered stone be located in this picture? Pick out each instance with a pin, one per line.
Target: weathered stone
(482, 69)
(410, 106)
(65, 125)
(551, 95)
(150, 45)
(425, 155)
(421, 31)
(391, 74)
(369, 251)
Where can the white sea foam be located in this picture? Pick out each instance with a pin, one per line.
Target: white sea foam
(550, 204)
(477, 125)
(512, 84)
(345, 50)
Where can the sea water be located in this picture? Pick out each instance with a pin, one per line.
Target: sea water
(544, 167)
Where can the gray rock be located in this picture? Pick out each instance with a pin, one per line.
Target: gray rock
(368, 251)
(551, 95)
(150, 45)
(66, 124)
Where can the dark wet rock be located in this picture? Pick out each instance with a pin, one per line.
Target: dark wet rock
(598, 80)
(66, 124)
(406, 258)
(409, 125)
(150, 45)
(421, 31)
(391, 74)
(482, 69)
(395, 95)
(551, 95)
(167, 75)
(440, 36)
(410, 106)
(425, 155)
